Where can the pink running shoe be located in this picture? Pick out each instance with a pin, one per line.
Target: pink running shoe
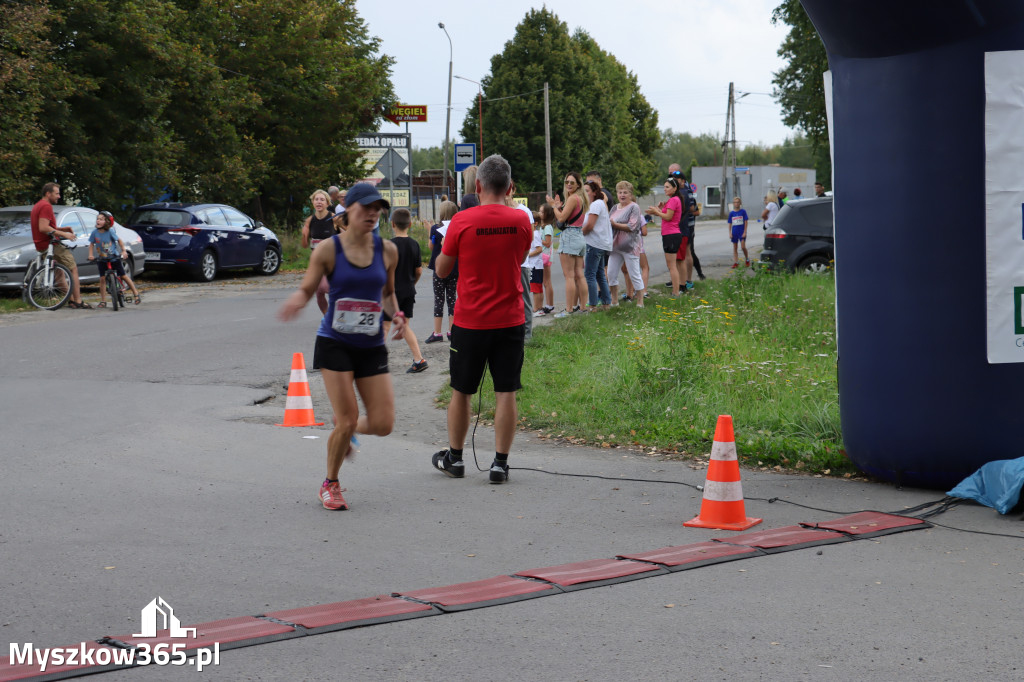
(330, 495)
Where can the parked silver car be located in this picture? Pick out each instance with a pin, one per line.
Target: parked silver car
(17, 249)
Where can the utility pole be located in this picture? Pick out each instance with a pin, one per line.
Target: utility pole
(725, 141)
(547, 137)
(448, 118)
(735, 179)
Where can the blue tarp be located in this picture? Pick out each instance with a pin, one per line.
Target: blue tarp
(996, 485)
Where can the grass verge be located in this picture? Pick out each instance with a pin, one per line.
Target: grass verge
(12, 302)
(761, 349)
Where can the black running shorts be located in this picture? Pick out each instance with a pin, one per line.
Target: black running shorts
(337, 356)
(499, 349)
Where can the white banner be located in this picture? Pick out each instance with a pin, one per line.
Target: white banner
(1004, 205)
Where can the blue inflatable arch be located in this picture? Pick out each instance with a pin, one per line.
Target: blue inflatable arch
(922, 401)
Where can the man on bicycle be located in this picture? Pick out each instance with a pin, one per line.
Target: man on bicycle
(109, 249)
(44, 230)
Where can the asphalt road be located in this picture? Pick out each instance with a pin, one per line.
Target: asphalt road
(141, 459)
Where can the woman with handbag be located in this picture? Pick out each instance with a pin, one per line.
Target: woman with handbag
(626, 223)
(571, 245)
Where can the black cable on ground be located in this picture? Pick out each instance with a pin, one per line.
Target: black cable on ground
(942, 505)
(977, 532)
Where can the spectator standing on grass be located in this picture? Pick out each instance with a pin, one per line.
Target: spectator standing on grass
(671, 237)
(626, 221)
(489, 242)
(407, 274)
(536, 261)
(572, 247)
(597, 231)
(526, 269)
(350, 351)
(444, 287)
(318, 227)
(688, 227)
(645, 267)
(547, 235)
(738, 219)
(44, 230)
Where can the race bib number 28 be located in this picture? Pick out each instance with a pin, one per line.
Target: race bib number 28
(356, 316)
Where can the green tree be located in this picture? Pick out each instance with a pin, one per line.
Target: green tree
(599, 119)
(27, 78)
(799, 86)
(684, 148)
(249, 102)
(431, 158)
(319, 81)
(113, 140)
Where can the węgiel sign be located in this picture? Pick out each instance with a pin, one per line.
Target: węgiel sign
(407, 112)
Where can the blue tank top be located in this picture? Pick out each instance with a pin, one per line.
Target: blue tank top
(354, 308)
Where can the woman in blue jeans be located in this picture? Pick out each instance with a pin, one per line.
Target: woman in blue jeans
(597, 231)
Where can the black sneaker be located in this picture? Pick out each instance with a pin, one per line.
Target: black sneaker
(434, 338)
(417, 367)
(443, 463)
(498, 473)
(668, 284)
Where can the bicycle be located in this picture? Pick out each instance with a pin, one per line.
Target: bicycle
(115, 285)
(47, 284)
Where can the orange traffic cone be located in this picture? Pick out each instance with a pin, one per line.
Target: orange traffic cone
(298, 407)
(722, 507)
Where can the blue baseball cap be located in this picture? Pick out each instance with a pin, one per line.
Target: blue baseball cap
(364, 193)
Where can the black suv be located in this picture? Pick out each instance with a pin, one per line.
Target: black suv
(802, 237)
(205, 238)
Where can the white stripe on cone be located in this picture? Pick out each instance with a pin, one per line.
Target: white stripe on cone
(298, 402)
(299, 376)
(724, 452)
(719, 491)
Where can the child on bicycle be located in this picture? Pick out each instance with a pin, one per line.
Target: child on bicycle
(107, 246)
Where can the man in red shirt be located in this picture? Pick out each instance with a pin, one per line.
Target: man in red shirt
(489, 241)
(44, 228)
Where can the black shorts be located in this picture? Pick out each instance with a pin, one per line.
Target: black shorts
(537, 276)
(499, 349)
(671, 242)
(405, 304)
(338, 356)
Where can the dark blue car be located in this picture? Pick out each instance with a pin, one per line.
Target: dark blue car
(205, 238)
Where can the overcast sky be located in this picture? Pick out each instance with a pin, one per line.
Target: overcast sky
(720, 41)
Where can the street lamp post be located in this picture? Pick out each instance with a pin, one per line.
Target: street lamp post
(448, 118)
(480, 112)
